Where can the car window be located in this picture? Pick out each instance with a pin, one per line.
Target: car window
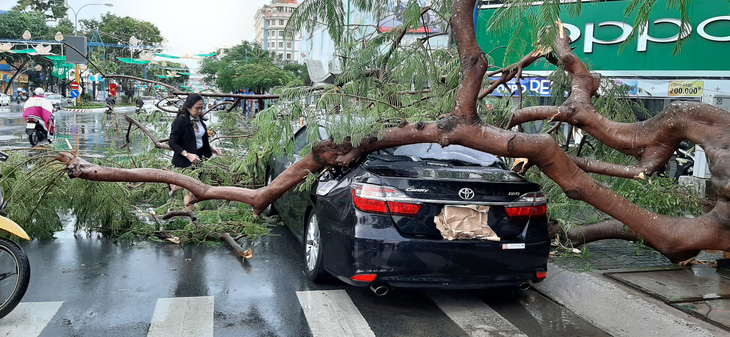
(456, 153)
(300, 140)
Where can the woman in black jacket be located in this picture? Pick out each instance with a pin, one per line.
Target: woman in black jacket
(189, 134)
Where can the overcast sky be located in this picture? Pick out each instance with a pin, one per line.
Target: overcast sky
(190, 26)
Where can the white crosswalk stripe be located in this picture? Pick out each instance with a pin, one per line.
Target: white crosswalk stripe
(474, 316)
(328, 313)
(28, 319)
(182, 316)
(332, 313)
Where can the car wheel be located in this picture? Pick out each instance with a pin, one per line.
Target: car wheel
(270, 210)
(313, 251)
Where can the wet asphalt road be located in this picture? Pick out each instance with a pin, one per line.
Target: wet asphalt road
(87, 285)
(108, 288)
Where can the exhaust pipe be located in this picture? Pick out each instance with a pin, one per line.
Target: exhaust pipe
(524, 285)
(380, 289)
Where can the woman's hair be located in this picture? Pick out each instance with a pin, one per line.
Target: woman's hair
(189, 102)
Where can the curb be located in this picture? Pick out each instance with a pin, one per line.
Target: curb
(615, 310)
(124, 108)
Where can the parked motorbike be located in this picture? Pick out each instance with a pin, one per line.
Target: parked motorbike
(682, 161)
(14, 265)
(37, 131)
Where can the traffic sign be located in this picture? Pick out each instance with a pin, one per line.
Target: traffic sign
(75, 86)
(74, 93)
(92, 78)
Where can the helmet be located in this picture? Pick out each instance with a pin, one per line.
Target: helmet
(38, 91)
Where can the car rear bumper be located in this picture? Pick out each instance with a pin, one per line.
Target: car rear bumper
(432, 263)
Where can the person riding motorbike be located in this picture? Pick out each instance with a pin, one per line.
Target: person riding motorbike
(139, 103)
(39, 106)
(110, 102)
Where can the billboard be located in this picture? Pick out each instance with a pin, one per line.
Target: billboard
(601, 28)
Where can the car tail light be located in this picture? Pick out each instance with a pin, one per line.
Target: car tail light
(530, 211)
(378, 199)
(364, 277)
(540, 274)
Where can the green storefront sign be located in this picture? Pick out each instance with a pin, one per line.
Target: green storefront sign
(601, 28)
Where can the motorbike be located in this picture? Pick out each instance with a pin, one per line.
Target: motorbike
(37, 131)
(109, 108)
(682, 161)
(14, 265)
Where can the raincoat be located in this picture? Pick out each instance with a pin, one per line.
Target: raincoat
(41, 107)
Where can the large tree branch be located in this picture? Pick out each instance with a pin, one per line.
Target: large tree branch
(473, 61)
(158, 144)
(676, 237)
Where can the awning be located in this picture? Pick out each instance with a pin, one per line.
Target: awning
(132, 61)
(25, 51)
(167, 56)
(56, 58)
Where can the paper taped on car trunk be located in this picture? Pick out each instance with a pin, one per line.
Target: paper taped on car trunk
(464, 223)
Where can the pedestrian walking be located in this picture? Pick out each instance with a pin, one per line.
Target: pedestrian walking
(189, 136)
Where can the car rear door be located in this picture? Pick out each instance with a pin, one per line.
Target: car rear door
(293, 204)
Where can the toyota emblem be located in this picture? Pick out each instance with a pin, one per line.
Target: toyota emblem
(466, 193)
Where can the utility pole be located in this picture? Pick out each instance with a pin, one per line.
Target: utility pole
(76, 22)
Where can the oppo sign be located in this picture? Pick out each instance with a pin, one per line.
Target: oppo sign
(602, 26)
(642, 40)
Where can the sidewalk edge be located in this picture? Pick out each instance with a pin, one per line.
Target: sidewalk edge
(612, 309)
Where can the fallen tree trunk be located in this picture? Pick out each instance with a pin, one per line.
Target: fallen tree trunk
(652, 143)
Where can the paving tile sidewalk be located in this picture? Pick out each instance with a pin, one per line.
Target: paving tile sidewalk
(614, 254)
(581, 284)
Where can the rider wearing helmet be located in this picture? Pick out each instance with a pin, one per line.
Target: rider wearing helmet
(38, 105)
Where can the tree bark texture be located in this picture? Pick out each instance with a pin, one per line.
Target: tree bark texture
(652, 142)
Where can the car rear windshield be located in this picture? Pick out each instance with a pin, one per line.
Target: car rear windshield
(451, 153)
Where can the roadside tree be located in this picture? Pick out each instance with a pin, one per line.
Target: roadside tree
(12, 26)
(52, 9)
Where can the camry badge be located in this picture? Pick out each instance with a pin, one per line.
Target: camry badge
(466, 193)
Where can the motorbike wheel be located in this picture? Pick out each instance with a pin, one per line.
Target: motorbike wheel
(33, 138)
(14, 275)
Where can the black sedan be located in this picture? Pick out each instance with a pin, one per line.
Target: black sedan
(419, 216)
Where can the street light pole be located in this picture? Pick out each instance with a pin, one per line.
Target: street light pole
(76, 12)
(76, 22)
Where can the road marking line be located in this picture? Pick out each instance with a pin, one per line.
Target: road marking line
(332, 313)
(182, 316)
(28, 318)
(475, 317)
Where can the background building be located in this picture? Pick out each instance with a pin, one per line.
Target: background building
(269, 27)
